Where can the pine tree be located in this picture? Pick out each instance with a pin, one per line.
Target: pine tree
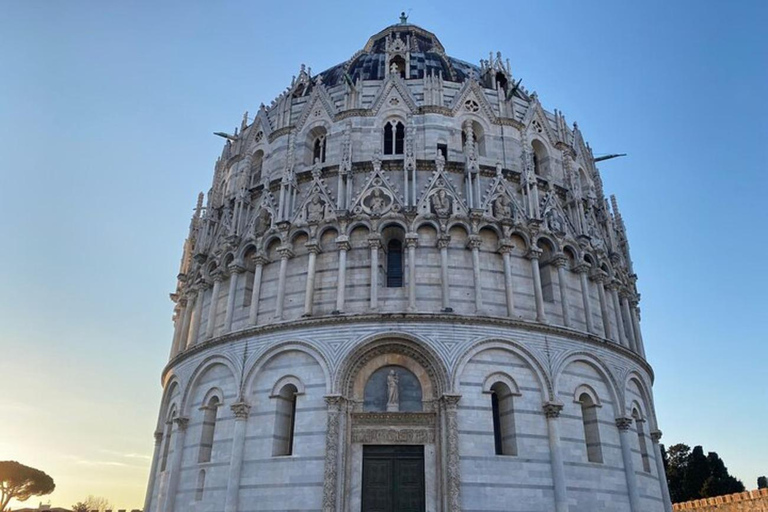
(762, 482)
(675, 464)
(696, 474)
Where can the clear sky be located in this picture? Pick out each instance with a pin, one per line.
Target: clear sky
(106, 114)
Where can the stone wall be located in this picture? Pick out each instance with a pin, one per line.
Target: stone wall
(749, 501)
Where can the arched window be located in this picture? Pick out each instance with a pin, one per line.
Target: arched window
(200, 485)
(209, 426)
(641, 440)
(591, 428)
(502, 405)
(257, 161)
(394, 138)
(167, 445)
(540, 159)
(397, 65)
(285, 420)
(394, 264)
(318, 151)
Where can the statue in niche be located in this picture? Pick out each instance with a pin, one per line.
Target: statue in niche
(315, 209)
(441, 203)
(555, 221)
(226, 222)
(502, 207)
(440, 161)
(378, 202)
(393, 392)
(262, 223)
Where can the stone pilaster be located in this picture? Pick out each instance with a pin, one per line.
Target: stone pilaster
(241, 410)
(179, 429)
(533, 255)
(374, 241)
(218, 277)
(234, 276)
(309, 292)
(505, 248)
(613, 289)
(411, 242)
(624, 425)
(332, 453)
(600, 278)
(258, 272)
(474, 244)
(285, 253)
(452, 468)
(153, 470)
(342, 243)
(442, 244)
(582, 270)
(656, 437)
(560, 261)
(552, 412)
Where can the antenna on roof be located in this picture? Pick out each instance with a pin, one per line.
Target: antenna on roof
(608, 157)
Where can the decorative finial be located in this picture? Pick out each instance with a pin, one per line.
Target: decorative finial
(403, 18)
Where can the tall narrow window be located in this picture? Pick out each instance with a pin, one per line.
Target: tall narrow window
(285, 421)
(547, 287)
(394, 264)
(536, 165)
(641, 440)
(502, 406)
(394, 138)
(591, 429)
(318, 153)
(209, 426)
(167, 443)
(200, 485)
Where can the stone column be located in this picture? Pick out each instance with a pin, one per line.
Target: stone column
(181, 341)
(505, 248)
(627, 317)
(374, 241)
(258, 272)
(234, 276)
(411, 241)
(211, 327)
(625, 424)
(153, 470)
(600, 278)
(180, 427)
(560, 261)
(474, 244)
(656, 437)
(241, 410)
(621, 337)
(582, 269)
(285, 252)
(309, 292)
(342, 243)
(442, 243)
(552, 412)
(332, 441)
(452, 469)
(533, 255)
(197, 313)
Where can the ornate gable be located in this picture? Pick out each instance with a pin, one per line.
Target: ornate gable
(535, 121)
(394, 92)
(317, 203)
(441, 197)
(500, 201)
(378, 196)
(471, 98)
(319, 106)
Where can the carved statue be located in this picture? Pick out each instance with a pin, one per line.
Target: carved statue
(393, 392)
(378, 202)
(441, 203)
(263, 222)
(555, 221)
(226, 222)
(502, 207)
(315, 209)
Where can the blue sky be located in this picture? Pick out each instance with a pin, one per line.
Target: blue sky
(106, 114)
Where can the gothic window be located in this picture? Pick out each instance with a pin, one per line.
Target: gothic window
(200, 485)
(591, 428)
(285, 420)
(540, 159)
(641, 440)
(394, 264)
(256, 164)
(503, 411)
(318, 151)
(394, 138)
(209, 426)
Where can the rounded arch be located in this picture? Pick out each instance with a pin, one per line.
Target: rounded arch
(550, 243)
(458, 223)
(501, 377)
(571, 252)
(270, 240)
(245, 249)
(169, 403)
(258, 360)
(204, 365)
(599, 366)
(286, 380)
(586, 389)
(420, 222)
(513, 347)
(328, 227)
(522, 235)
(390, 223)
(492, 227)
(358, 224)
(294, 234)
(373, 347)
(541, 156)
(214, 392)
(645, 393)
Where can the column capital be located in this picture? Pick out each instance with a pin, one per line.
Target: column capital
(241, 410)
(334, 402)
(656, 436)
(374, 241)
(181, 423)
(552, 409)
(505, 246)
(474, 242)
(217, 276)
(158, 436)
(443, 241)
(534, 253)
(612, 284)
(624, 423)
(560, 260)
(313, 247)
(411, 239)
(599, 276)
(285, 252)
(342, 243)
(450, 401)
(626, 294)
(236, 268)
(260, 259)
(183, 301)
(582, 268)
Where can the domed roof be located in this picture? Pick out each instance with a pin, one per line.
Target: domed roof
(426, 53)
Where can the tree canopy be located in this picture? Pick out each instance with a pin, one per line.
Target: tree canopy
(691, 475)
(21, 482)
(762, 482)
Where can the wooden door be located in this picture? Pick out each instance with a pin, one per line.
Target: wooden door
(393, 478)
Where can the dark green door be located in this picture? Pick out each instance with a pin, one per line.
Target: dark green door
(393, 478)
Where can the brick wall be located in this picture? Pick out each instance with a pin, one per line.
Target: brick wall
(749, 501)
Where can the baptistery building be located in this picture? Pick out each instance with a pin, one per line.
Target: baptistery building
(406, 291)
